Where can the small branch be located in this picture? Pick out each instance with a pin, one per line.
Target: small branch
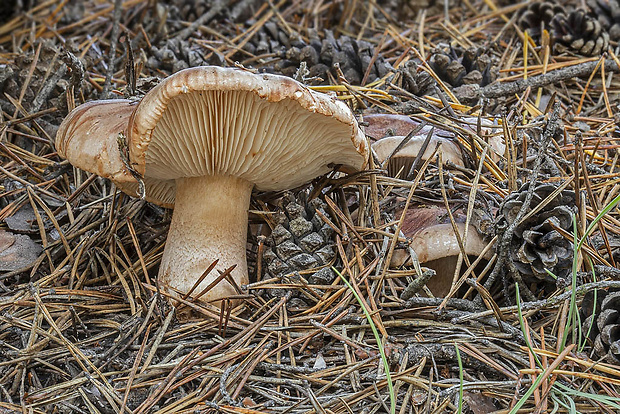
(202, 20)
(47, 89)
(503, 243)
(113, 41)
(497, 89)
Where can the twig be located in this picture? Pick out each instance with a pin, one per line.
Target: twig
(47, 89)
(215, 8)
(116, 17)
(497, 90)
(503, 245)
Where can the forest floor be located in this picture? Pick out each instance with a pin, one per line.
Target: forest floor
(520, 313)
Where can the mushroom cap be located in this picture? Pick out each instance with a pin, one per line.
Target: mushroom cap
(404, 158)
(436, 246)
(390, 129)
(439, 241)
(88, 138)
(269, 130)
(381, 125)
(432, 235)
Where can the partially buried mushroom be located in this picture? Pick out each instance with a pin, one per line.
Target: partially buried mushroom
(431, 236)
(390, 131)
(201, 140)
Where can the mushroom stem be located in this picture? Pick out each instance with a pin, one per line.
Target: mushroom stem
(209, 222)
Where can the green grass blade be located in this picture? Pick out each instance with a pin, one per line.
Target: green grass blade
(458, 358)
(527, 395)
(386, 365)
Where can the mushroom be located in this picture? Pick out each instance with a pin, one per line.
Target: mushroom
(390, 130)
(400, 162)
(381, 125)
(201, 140)
(432, 238)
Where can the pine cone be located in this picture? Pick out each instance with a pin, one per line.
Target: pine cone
(416, 81)
(176, 55)
(301, 241)
(403, 10)
(191, 10)
(579, 33)
(607, 12)
(535, 246)
(538, 16)
(460, 67)
(188, 10)
(320, 56)
(13, 78)
(603, 324)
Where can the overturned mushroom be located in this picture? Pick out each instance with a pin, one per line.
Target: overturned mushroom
(201, 140)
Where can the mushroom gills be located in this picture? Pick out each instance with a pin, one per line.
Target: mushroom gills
(240, 134)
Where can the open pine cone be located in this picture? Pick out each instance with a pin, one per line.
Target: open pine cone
(301, 241)
(463, 67)
(607, 12)
(603, 323)
(579, 33)
(320, 56)
(538, 16)
(536, 246)
(176, 54)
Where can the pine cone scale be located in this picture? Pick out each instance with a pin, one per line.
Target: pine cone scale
(603, 324)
